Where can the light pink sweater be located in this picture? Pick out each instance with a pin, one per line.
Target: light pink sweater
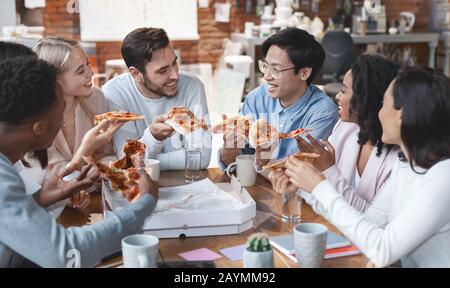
(59, 153)
(344, 139)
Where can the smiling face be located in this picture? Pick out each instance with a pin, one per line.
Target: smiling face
(75, 78)
(289, 84)
(391, 119)
(344, 97)
(161, 75)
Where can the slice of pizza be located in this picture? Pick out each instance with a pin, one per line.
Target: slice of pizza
(123, 181)
(308, 157)
(132, 184)
(134, 152)
(118, 116)
(238, 124)
(184, 121)
(262, 134)
(294, 133)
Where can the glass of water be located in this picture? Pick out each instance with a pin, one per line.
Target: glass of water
(192, 171)
(291, 207)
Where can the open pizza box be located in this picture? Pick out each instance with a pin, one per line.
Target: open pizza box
(203, 208)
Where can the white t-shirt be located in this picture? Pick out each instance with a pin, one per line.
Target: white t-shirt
(408, 220)
(122, 94)
(31, 177)
(31, 186)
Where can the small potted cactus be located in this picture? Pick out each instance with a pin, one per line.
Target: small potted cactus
(259, 253)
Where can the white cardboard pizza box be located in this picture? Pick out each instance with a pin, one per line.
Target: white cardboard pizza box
(199, 209)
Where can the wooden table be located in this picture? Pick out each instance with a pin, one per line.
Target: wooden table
(266, 201)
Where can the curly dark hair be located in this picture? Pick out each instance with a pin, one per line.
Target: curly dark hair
(27, 89)
(302, 48)
(372, 75)
(139, 45)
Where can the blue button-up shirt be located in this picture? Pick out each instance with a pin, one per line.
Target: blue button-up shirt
(314, 110)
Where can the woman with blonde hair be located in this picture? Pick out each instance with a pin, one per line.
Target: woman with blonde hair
(77, 137)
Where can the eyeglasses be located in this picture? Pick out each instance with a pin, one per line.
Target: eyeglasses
(265, 67)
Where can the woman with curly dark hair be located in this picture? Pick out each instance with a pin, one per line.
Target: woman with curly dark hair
(355, 160)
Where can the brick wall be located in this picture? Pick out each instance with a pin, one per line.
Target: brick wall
(59, 22)
(209, 47)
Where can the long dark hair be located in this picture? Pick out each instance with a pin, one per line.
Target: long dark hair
(424, 96)
(372, 75)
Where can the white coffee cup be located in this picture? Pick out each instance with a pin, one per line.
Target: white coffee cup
(152, 167)
(140, 251)
(245, 169)
(310, 241)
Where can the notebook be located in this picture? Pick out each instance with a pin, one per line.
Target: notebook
(337, 246)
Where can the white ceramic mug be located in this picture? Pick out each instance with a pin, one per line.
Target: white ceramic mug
(152, 167)
(140, 251)
(245, 169)
(310, 241)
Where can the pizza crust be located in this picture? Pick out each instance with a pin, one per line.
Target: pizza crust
(132, 118)
(308, 157)
(262, 134)
(116, 116)
(177, 127)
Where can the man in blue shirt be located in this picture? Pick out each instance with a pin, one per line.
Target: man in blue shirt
(292, 58)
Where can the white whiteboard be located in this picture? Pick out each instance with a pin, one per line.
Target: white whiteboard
(112, 20)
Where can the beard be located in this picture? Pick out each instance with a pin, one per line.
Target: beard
(150, 86)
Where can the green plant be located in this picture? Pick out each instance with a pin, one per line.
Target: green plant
(258, 242)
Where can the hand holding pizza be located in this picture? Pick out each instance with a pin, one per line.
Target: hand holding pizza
(159, 129)
(280, 182)
(264, 155)
(99, 136)
(303, 174)
(324, 149)
(94, 139)
(80, 201)
(49, 195)
(146, 185)
(183, 120)
(87, 178)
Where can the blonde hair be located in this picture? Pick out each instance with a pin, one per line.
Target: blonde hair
(55, 51)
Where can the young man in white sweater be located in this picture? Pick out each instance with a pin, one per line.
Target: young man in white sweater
(409, 219)
(153, 86)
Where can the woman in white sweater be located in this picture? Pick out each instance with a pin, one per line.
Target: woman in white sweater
(409, 219)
